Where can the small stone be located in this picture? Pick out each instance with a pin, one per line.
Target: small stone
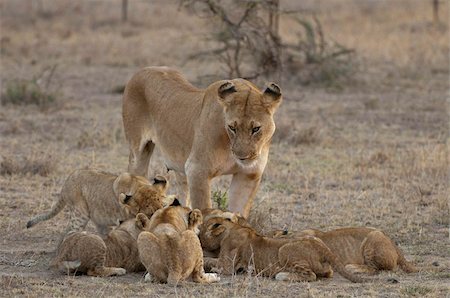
(392, 280)
(435, 263)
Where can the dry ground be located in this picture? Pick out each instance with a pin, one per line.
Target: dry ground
(372, 152)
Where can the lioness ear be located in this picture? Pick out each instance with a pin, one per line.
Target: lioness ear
(224, 90)
(272, 96)
(141, 221)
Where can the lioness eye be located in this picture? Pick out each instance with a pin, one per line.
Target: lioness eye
(233, 129)
(255, 129)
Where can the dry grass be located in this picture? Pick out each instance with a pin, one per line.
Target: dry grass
(37, 164)
(373, 153)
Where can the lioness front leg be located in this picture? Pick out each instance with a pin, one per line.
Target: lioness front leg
(199, 189)
(242, 192)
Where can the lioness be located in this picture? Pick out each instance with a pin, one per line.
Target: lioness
(115, 255)
(362, 250)
(201, 133)
(98, 196)
(242, 249)
(171, 251)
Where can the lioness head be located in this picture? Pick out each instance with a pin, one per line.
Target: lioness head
(147, 199)
(248, 117)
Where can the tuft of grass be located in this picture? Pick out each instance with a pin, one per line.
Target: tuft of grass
(24, 92)
(416, 291)
(220, 198)
(37, 164)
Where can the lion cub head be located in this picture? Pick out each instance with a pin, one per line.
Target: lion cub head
(248, 117)
(146, 198)
(213, 231)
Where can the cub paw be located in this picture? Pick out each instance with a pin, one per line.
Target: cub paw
(120, 271)
(148, 278)
(195, 219)
(211, 277)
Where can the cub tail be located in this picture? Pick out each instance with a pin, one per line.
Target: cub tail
(56, 208)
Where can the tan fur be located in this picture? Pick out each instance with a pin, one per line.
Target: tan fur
(210, 213)
(242, 249)
(98, 196)
(170, 250)
(362, 250)
(201, 133)
(88, 253)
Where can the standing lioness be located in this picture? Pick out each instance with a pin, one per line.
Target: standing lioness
(201, 133)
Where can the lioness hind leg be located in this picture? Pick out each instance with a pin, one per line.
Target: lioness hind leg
(139, 159)
(106, 271)
(182, 188)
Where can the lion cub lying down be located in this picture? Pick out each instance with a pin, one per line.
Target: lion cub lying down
(98, 196)
(171, 250)
(115, 255)
(362, 250)
(241, 248)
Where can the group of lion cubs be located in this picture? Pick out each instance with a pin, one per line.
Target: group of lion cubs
(141, 228)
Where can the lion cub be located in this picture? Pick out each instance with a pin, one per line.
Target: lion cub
(98, 196)
(171, 250)
(88, 253)
(362, 250)
(242, 249)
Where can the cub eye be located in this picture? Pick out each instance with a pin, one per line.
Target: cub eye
(232, 128)
(255, 129)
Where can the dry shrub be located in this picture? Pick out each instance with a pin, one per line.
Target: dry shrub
(35, 164)
(23, 92)
(220, 199)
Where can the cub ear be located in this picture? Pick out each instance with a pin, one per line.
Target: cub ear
(272, 96)
(224, 90)
(125, 199)
(175, 203)
(160, 180)
(230, 216)
(141, 221)
(122, 183)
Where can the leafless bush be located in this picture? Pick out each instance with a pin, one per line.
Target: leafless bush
(249, 44)
(35, 164)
